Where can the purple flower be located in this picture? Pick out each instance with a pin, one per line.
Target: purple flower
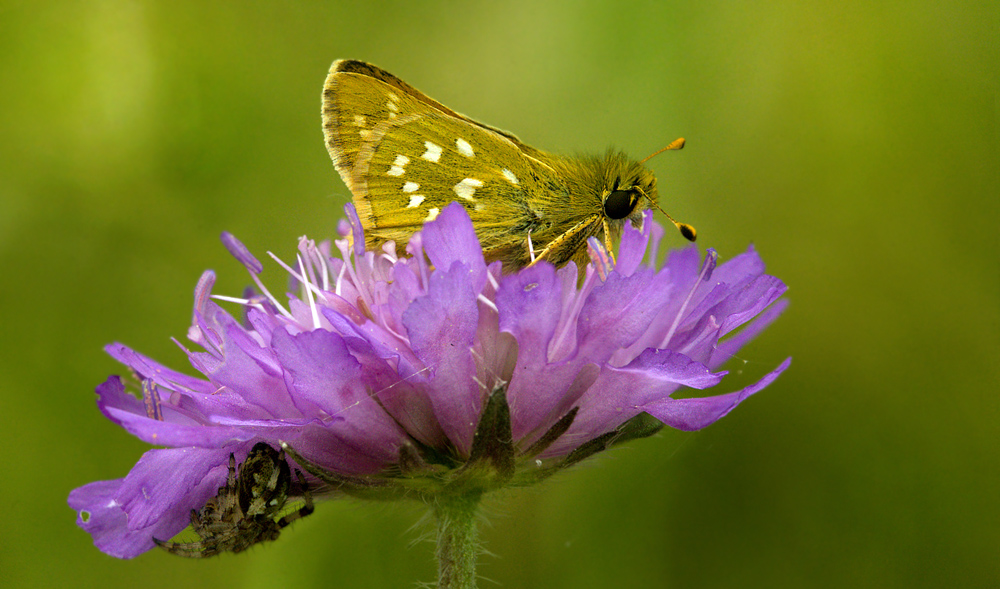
(392, 376)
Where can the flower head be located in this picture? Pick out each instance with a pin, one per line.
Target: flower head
(428, 373)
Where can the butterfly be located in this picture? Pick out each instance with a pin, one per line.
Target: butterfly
(405, 156)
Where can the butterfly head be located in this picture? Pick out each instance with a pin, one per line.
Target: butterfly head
(626, 195)
(631, 189)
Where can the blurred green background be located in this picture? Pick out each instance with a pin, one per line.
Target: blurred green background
(856, 144)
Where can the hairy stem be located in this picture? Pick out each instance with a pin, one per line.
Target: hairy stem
(457, 541)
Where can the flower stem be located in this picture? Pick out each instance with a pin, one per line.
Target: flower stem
(457, 541)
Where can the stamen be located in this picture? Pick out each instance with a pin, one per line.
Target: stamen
(151, 400)
(308, 284)
(600, 257)
(229, 299)
(711, 256)
(310, 267)
(493, 281)
(482, 298)
(203, 290)
(348, 266)
(309, 295)
(340, 279)
(270, 297)
(324, 265)
(241, 253)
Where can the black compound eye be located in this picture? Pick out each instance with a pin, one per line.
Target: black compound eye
(620, 204)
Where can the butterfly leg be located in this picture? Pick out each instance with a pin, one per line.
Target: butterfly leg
(563, 248)
(608, 245)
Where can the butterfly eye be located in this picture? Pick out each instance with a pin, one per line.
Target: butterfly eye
(620, 204)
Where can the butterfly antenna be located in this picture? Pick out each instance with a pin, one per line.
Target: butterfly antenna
(686, 230)
(674, 145)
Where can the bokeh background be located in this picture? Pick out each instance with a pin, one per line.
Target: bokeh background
(856, 144)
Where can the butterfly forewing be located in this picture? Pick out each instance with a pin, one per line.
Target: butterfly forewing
(430, 161)
(405, 157)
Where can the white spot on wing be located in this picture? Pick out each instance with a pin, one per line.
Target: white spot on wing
(365, 133)
(410, 187)
(509, 176)
(433, 152)
(432, 214)
(397, 168)
(392, 96)
(359, 120)
(415, 201)
(466, 188)
(464, 148)
(392, 106)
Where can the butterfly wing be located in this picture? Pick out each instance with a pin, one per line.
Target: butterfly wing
(405, 157)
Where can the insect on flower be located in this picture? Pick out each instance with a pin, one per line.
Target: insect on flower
(405, 157)
(242, 513)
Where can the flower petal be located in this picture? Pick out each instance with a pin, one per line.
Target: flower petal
(618, 312)
(321, 372)
(450, 238)
(124, 515)
(696, 413)
(529, 304)
(442, 326)
(618, 394)
(176, 428)
(633, 245)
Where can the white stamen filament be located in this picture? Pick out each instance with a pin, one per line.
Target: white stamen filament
(493, 281)
(270, 296)
(297, 276)
(482, 298)
(238, 301)
(304, 248)
(322, 262)
(340, 279)
(309, 295)
(687, 299)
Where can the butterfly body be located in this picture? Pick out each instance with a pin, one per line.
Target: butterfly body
(405, 157)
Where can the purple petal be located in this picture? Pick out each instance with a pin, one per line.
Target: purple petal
(727, 348)
(408, 404)
(529, 304)
(633, 245)
(149, 493)
(321, 372)
(618, 312)
(251, 372)
(177, 428)
(619, 394)
(442, 328)
(102, 517)
(154, 500)
(451, 238)
(146, 367)
(696, 413)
